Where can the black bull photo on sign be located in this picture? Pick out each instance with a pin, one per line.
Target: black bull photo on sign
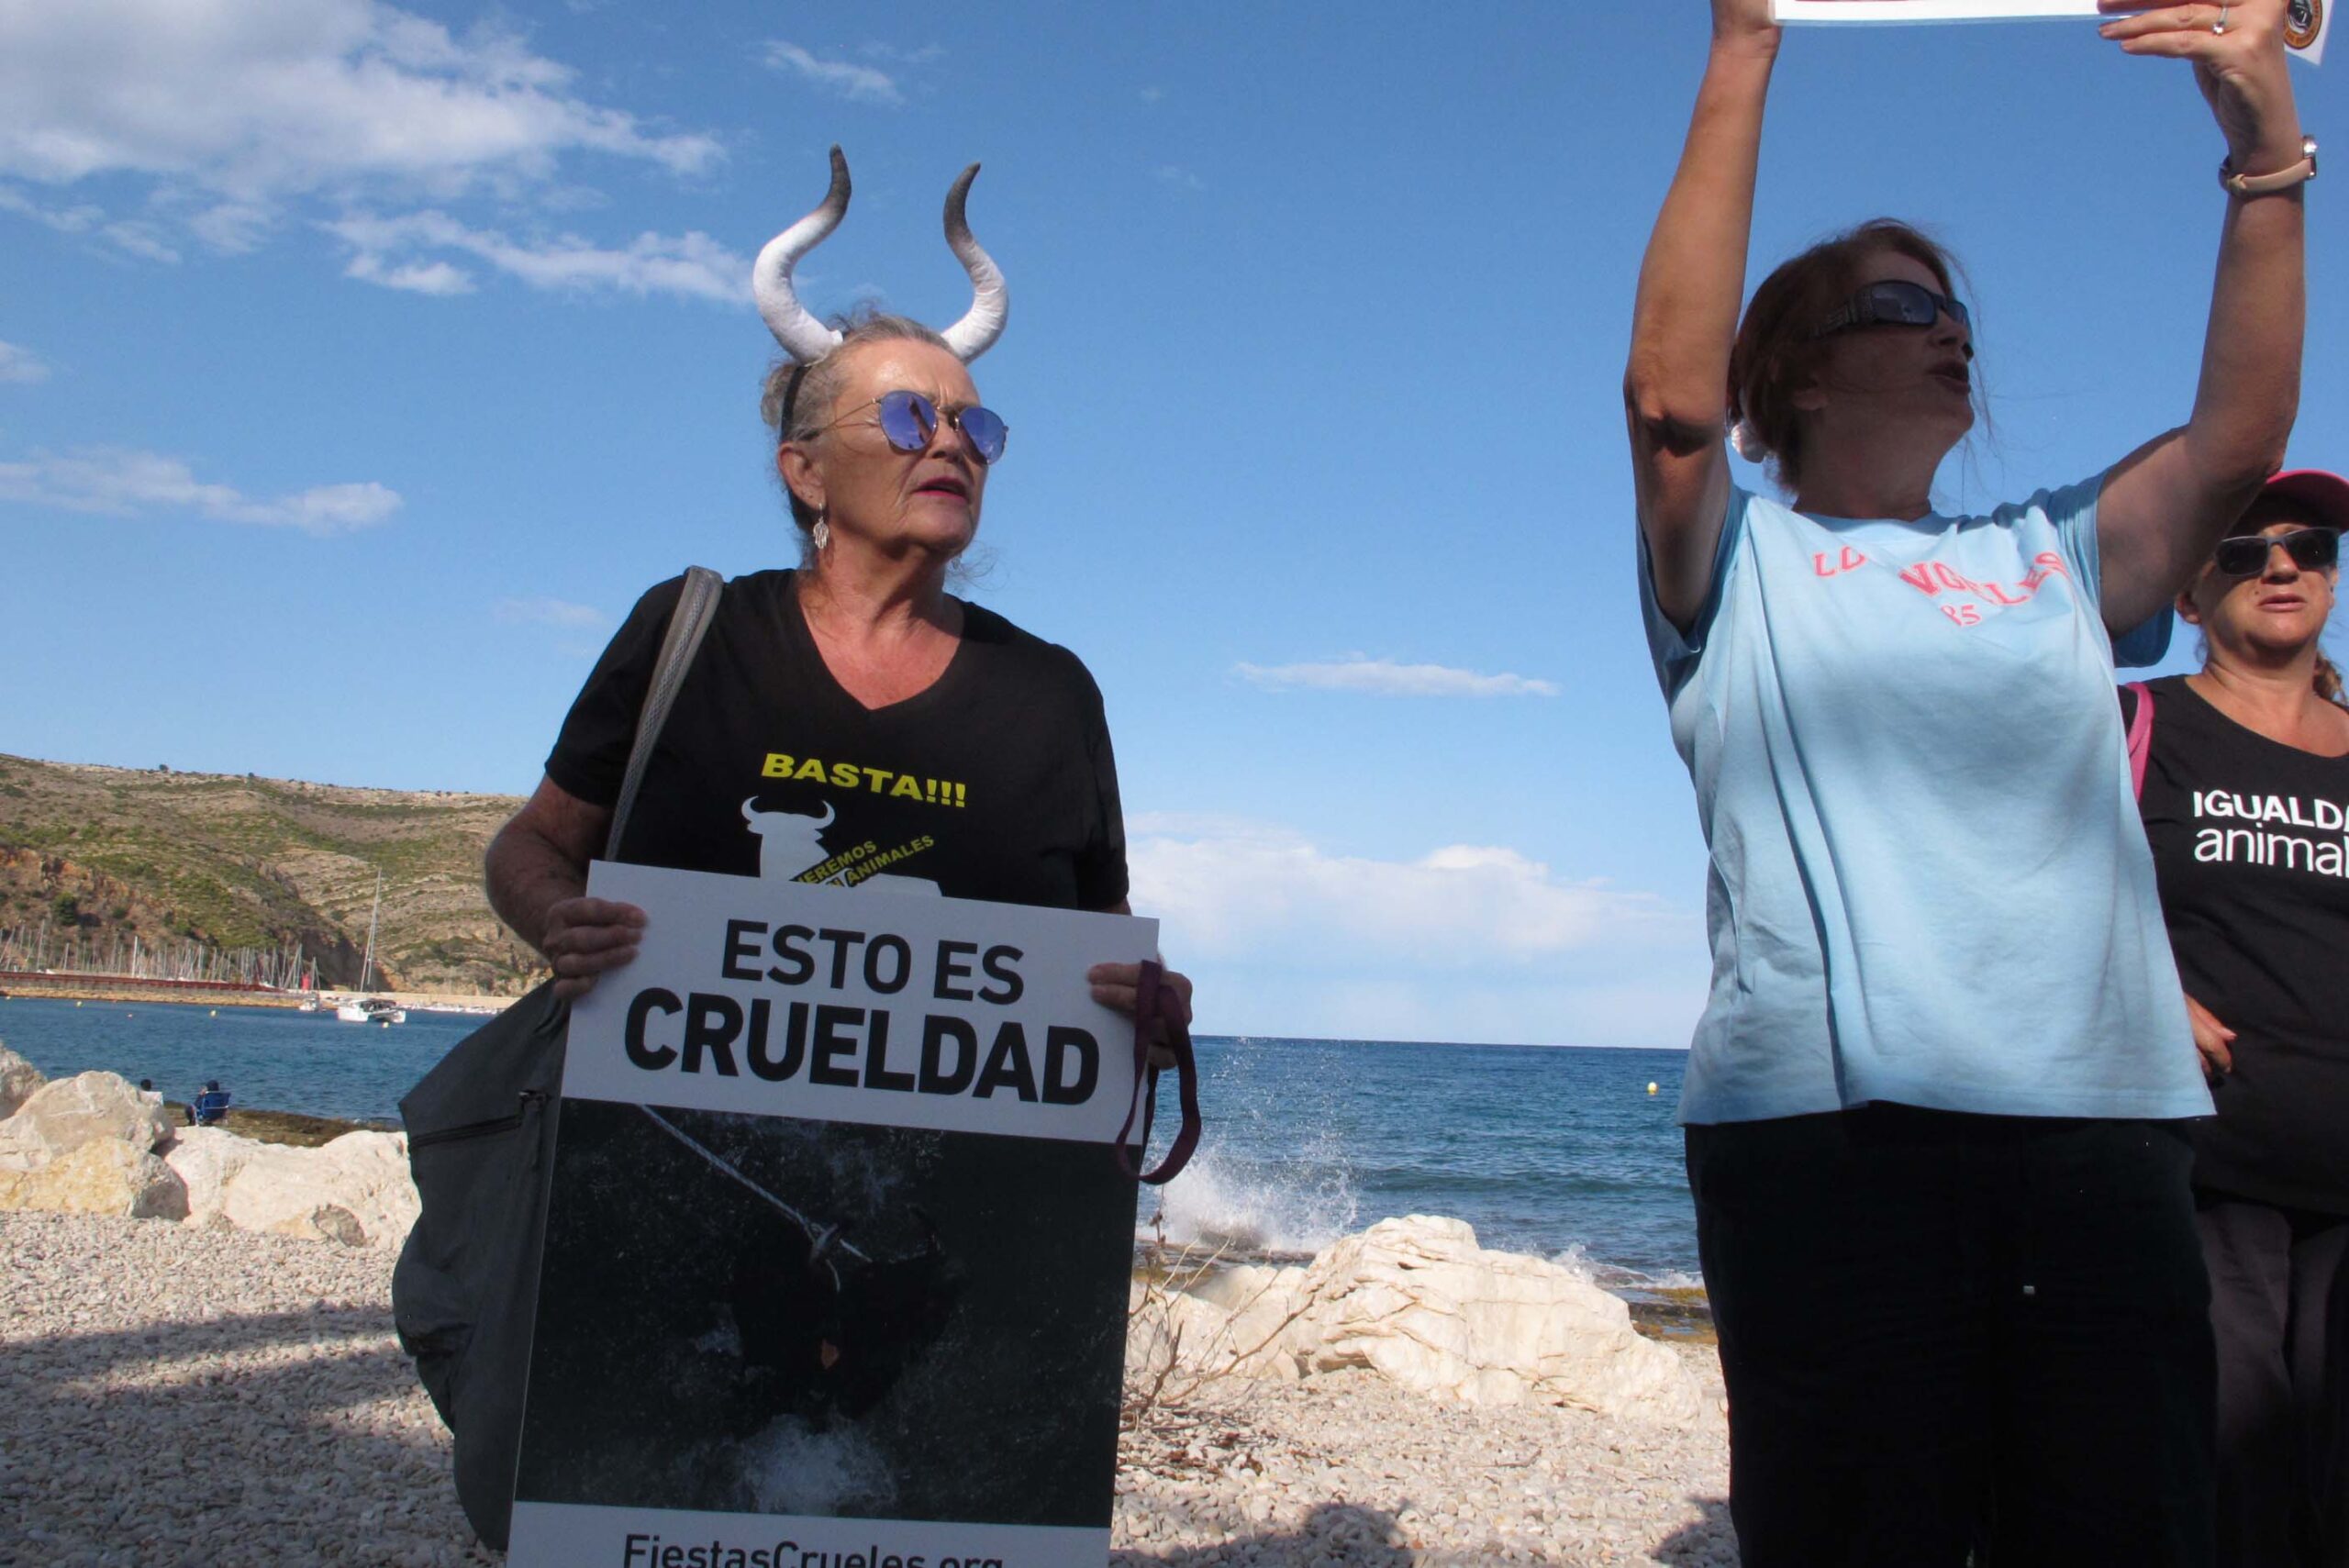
(769, 1314)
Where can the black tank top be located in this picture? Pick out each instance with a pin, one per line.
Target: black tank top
(2251, 845)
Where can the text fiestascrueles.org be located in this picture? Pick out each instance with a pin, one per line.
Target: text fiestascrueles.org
(652, 1552)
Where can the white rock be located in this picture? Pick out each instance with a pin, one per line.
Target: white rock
(354, 1190)
(99, 1176)
(323, 1222)
(62, 1116)
(18, 1079)
(1419, 1302)
(206, 1159)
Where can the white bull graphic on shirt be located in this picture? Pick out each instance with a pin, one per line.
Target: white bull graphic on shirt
(791, 845)
(788, 843)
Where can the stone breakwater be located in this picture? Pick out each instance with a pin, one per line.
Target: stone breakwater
(1418, 1302)
(94, 1144)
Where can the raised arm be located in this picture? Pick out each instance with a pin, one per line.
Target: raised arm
(2166, 503)
(536, 874)
(1676, 390)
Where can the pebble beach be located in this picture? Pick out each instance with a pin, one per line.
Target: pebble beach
(178, 1397)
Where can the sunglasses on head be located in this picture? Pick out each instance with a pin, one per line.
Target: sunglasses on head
(2245, 555)
(1894, 303)
(909, 421)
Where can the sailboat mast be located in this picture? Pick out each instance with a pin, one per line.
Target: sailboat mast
(367, 966)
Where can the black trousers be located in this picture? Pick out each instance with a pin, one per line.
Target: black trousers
(1948, 1336)
(2279, 1305)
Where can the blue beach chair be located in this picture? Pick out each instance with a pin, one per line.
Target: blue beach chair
(211, 1105)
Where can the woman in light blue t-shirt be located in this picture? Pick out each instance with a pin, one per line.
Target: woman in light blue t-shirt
(1934, 1105)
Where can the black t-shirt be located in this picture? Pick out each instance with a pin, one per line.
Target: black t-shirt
(995, 782)
(2251, 844)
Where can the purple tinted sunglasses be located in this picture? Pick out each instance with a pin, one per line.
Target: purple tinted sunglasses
(910, 420)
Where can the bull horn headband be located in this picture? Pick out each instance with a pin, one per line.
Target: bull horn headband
(807, 339)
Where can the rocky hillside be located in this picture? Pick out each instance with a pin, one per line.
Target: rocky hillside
(253, 862)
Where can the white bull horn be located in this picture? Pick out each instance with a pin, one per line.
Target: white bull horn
(803, 337)
(827, 816)
(990, 301)
(749, 815)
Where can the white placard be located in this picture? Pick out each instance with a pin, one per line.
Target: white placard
(782, 999)
(2305, 26)
(835, 1266)
(1925, 10)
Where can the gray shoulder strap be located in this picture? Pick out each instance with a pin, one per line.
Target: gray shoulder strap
(696, 607)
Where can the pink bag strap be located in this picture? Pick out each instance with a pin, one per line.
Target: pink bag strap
(2141, 735)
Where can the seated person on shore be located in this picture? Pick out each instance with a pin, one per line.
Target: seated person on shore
(211, 1105)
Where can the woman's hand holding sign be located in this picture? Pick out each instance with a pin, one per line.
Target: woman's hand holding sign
(585, 937)
(2165, 506)
(2238, 55)
(1119, 986)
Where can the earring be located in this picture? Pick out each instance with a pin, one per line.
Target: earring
(822, 533)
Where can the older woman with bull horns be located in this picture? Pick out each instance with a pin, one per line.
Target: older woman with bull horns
(848, 722)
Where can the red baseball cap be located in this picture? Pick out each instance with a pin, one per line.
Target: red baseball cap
(2324, 496)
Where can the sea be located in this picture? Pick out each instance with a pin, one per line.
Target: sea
(1567, 1153)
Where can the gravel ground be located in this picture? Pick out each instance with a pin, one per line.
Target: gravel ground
(1351, 1470)
(173, 1397)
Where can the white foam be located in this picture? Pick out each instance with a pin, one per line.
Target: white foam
(1614, 1276)
(793, 1469)
(1298, 1206)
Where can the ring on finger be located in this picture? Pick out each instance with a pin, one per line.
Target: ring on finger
(2219, 27)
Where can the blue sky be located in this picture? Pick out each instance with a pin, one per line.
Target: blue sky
(361, 364)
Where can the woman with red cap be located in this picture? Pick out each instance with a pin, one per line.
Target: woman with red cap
(2244, 788)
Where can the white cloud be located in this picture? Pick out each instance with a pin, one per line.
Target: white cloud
(118, 481)
(1467, 943)
(80, 218)
(21, 365)
(233, 228)
(1180, 178)
(858, 83)
(1237, 890)
(218, 120)
(437, 278)
(691, 264)
(141, 240)
(550, 612)
(254, 98)
(1382, 677)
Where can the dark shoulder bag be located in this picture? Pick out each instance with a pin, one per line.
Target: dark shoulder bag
(481, 1146)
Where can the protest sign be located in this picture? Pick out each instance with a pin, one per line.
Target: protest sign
(837, 1246)
(2305, 22)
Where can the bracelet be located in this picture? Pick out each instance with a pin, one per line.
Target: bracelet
(2267, 184)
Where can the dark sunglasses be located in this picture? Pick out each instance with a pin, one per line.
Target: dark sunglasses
(910, 420)
(2245, 555)
(1894, 303)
